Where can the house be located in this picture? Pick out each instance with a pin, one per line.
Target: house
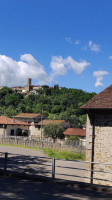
(36, 129)
(99, 136)
(81, 133)
(12, 127)
(28, 117)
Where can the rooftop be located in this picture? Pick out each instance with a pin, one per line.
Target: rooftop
(10, 121)
(48, 121)
(103, 100)
(75, 132)
(27, 115)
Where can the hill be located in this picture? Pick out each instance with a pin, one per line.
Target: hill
(56, 103)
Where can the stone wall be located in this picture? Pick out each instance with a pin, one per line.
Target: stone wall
(102, 146)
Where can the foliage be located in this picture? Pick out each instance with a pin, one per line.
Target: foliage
(56, 103)
(76, 138)
(54, 131)
(83, 118)
(64, 154)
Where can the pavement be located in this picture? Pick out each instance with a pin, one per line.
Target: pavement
(28, 161)
(35, 163)
(13, 188)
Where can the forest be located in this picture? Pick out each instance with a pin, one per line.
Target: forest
(54, 103)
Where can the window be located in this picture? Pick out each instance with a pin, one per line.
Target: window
(12, 132)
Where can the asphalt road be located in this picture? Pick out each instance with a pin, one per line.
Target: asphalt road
(12, 189)
(27, 161)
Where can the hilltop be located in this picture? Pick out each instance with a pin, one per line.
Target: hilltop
(56, 103)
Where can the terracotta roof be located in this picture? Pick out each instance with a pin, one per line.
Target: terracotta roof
(75, 132)
(103, 100)
(28, 115)
(48, 121)
(8, 120)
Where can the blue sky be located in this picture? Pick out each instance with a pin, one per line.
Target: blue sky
(68, 42)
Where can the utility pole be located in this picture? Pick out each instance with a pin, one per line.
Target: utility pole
(41, 122)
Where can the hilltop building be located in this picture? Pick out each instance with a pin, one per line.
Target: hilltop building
(27, 88)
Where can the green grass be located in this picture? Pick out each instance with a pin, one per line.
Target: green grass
(53, 153)
(64, 154)
(20, 146)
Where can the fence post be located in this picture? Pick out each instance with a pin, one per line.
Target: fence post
(5, 162)
(53, 168)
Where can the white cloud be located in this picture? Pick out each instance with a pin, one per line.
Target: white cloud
(94, 47)
(77, 42)
(110, 57)
(68, 39)
(99, 77)
(13, 72)
(60, 66)
(71, 41)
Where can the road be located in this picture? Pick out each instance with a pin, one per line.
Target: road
(12, 188)
(27, 161)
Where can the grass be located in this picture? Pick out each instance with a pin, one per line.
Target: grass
(64, 154)
(53, 153)
(20, 146)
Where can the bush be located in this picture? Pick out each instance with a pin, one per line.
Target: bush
(73, 138)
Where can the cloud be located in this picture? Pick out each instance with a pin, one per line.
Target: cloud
(110, 57)
(94, 47)
(68, 39)
(71, 41)
(60, 65)
(99, 77)
(77, 42)
(16, 72)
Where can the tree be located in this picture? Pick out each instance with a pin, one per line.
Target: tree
(54, 131)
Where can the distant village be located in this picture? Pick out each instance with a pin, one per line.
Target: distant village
(32, 124)
(28, 88)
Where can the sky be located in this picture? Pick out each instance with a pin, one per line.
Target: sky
(65, 42)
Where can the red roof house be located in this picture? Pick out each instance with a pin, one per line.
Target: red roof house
(12, 127)
(81, 133)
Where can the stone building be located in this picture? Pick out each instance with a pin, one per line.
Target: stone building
(27, 88)
(12, 127)
(99, 137)
(28, 117)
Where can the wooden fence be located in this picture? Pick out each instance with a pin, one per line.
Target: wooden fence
(73, 146)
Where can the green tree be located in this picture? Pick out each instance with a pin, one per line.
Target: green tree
(54, 131)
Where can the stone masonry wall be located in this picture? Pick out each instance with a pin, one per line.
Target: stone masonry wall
(102, 147)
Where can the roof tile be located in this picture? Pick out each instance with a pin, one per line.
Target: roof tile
(103, 100)
(75, 132)
(8, 121)
(28, 115)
